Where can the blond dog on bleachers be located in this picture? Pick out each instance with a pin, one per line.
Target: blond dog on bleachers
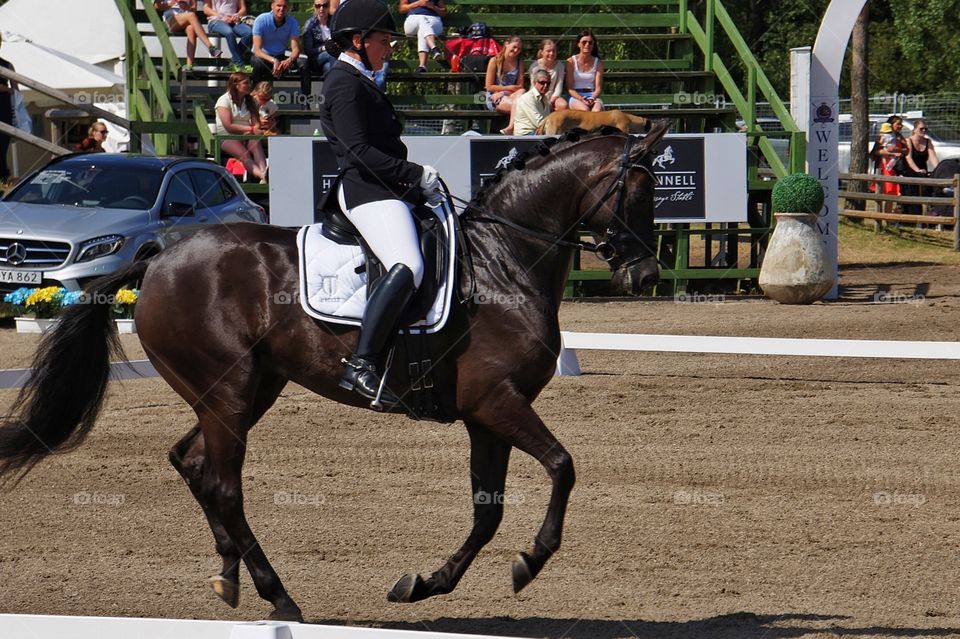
(560, 121)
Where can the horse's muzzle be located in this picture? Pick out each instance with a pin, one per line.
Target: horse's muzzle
(636, 278)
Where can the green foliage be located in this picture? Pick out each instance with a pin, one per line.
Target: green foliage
(797, 193)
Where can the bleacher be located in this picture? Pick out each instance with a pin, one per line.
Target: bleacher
(660, 61)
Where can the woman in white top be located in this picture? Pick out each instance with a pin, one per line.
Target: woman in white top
(547, 61)
(585, 74)
(237, 114)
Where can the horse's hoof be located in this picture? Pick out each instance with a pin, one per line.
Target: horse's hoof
(402, 591)
(522, 575)
(227, 590)
(286, 614)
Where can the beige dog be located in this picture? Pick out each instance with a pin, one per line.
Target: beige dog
(560, 121)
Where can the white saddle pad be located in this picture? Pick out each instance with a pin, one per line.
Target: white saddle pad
(332, 290)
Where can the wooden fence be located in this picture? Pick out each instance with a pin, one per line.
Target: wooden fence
(952, 203)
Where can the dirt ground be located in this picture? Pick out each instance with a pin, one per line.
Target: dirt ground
(717, 496)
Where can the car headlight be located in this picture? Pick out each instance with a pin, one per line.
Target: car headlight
(99, 246)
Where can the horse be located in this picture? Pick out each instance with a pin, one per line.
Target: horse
(522, 229)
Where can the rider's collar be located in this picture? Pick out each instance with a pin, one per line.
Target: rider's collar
(356, 64)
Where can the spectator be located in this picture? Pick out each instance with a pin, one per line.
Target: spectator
(534, 105)
(585, 74)
(7, 87)
(547, 61)
(273, 33)
(225, 18)
(892, 149)
(920, 158)
(266, 108)
(96, 136)
(316, 35)
(237, 114)
(424, 20)
(181, 15)
(504, 82)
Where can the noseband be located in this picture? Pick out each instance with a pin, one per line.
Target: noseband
(607, 249)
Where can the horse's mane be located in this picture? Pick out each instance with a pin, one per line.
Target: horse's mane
(545, 148)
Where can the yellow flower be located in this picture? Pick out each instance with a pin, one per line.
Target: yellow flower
(41, 295)
(126, 296)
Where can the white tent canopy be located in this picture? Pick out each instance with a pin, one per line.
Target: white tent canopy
(65, 45)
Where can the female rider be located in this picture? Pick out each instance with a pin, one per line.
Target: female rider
(377, 187)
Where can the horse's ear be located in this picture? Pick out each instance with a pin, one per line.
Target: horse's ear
(651, 139)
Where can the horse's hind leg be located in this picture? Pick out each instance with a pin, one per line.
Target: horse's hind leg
(225, 435)
(489, 456)
(187, 456)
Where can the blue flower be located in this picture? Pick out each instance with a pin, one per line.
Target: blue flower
(18, 297)
(71, 297)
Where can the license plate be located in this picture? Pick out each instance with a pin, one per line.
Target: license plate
(21, 277)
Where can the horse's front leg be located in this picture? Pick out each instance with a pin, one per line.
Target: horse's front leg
(489, 457)
(513, 419)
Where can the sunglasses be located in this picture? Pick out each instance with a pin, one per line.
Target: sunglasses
(922, 129)
(104, 131)
(539, 82)
(320, 6)
(590, 42)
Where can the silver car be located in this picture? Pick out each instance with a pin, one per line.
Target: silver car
(83, 216)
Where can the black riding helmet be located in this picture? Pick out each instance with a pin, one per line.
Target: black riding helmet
(363, 17)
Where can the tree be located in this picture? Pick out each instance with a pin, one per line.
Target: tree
(859, 103)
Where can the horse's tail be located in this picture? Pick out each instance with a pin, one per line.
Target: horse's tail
(59, 404)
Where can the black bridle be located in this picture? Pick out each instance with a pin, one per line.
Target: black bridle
(610, 248)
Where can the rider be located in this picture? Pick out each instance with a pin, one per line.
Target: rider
(377, 186)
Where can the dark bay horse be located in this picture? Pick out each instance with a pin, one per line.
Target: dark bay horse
(230, 367)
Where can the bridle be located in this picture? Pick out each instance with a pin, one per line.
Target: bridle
(610, 248)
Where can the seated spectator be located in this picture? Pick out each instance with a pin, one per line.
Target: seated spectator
(533, 106)
(585, 74)
(96, 136)
(181, 15)
(316, 34)
(225, 18)
(273, 33)
(237, 114)
(267, 109)
(424, 20)
(547, 61)
(504, 82)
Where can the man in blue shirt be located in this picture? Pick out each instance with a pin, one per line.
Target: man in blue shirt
(273, 33)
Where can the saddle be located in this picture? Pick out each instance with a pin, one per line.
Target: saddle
(335, 250)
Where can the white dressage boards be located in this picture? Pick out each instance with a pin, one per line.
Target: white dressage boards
(567, 363)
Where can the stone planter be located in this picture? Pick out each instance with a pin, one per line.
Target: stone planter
(794, 267)
(126, 326)
(34, 324)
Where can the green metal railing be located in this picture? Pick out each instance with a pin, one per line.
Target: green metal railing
(148, 100)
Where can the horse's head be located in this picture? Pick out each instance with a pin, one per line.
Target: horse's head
(624, 222)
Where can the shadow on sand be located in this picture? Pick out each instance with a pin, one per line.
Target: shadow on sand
(740, 625)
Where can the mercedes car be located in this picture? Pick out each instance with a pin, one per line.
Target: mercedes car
(83, 216)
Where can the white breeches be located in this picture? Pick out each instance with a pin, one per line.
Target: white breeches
(422, 26)
(387, 227)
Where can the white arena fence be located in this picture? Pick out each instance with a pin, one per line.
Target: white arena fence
(55, 627)
(568, 364)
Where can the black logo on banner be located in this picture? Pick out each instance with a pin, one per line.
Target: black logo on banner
(678, 164)
(487, 156)
(325, 171)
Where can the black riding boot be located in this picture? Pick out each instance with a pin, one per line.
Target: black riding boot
(380, 318)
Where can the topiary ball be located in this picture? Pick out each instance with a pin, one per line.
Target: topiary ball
(797, 193)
